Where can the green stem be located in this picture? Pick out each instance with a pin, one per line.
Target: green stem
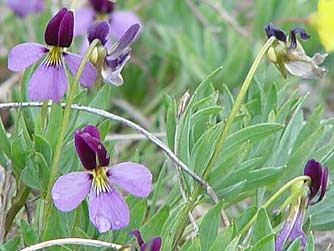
(236, 107)
(17, 203)
(221, 139)
(273, 198)
(43, 114)
(57, 153)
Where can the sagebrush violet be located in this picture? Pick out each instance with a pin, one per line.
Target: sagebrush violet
(107, 208)
(49, 80)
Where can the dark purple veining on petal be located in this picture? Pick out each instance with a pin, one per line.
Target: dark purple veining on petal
(98, 30)
(59, 31)
(272, 30)
(293, 33)
(117, 62)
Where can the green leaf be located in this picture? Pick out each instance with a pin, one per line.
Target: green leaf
(42, 146)
(223, 238)
(11, 244)
(208, 228)
(233, 245)
(29, 234)
(295, 245)
(154, 226)
(5, 143)
(262, 228)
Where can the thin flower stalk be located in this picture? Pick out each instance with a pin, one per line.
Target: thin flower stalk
(189, 206)
(67, 109)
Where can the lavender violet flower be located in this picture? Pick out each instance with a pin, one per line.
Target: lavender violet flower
(107, 208)
(292, 228)
(49, 79)
(114, 59)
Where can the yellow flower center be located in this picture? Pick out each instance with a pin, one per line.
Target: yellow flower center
(54, 56)
(100, 180)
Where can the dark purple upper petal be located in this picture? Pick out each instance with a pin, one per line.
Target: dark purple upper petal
(137, 234)
(272, 30)
(153, 245)
(98, 30)
(293, 33)
(102, 6)
(86, 154)
(323, 186)
(88, 146)
(59, 31)
(314, 171)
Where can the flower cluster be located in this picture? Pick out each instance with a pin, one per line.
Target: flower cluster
(49, 80)
(292, 228)
(288, 54)
(24, 8)
(107, 208)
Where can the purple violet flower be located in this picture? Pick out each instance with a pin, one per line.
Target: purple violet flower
(115, 58)
(292, 228)
(153, 245)
(49, 79)
(107, 208)
(24, 8)
(119, 21)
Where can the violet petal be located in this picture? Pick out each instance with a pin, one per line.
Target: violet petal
(86, 155)
(23, 55)
(314, 171)
(121, 21)
(153, 245)
(92, 130)
(98, 30)
(65, 34)
(70, 190)
(293, 34)
(297, 230)
(137, 234)
(97, 147)
(89, 73)
(47, 82)
(82, 18)
(102, 6)
(125, 41)
(272, 30)
(324, 179)
(23, 8)
(52, 29)
(108, 210)
(132, 177)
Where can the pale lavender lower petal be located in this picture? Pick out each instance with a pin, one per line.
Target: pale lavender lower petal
(47, 82)
(23, 55)
(84, 46)
(108, 210)
(132, 177)
(120, 21)
(88, 75)
(82, 18)
(297, 230)
(69, 190)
